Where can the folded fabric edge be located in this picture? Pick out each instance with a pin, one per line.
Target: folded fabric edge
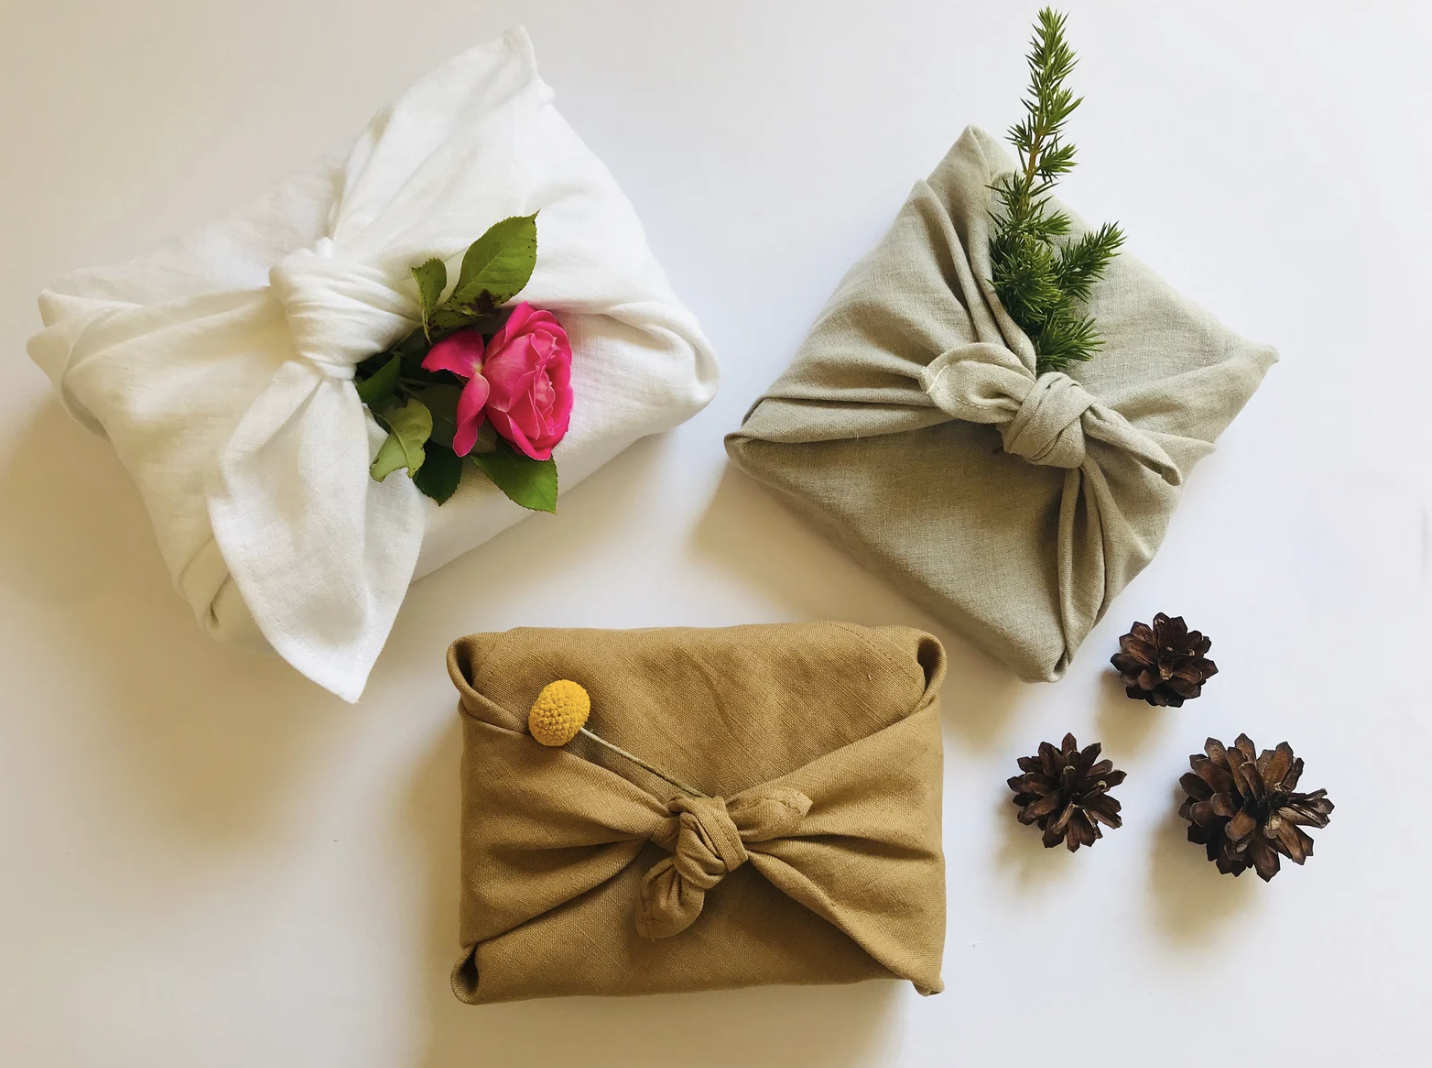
(462, 658)
(464, 981)
(923, 717)
(463, 978)
(929, 654)
(50, 351)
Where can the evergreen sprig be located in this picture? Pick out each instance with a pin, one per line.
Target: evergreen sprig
(1041, 277)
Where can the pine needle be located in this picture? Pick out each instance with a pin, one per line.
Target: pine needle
(1040, 281)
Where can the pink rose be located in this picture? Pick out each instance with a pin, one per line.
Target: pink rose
(461, 353)
(529, 371)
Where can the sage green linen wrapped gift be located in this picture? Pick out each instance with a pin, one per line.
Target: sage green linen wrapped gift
(913, 430)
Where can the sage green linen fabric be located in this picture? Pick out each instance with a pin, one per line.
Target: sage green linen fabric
(911, 427)
(817, 859)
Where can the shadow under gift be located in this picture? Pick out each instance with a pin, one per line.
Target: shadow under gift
(751, 533)
(207, 738)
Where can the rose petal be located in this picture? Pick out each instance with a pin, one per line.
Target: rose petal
(514, 434)
(470, 406)
(515, 322)
(528, 364)
(460, 353)
(507, 367)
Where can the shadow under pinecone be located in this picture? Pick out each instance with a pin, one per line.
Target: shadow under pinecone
(1191, 899)
(1022, 854)
(1126, 726)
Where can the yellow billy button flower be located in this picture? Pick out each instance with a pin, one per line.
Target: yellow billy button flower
(560, 714)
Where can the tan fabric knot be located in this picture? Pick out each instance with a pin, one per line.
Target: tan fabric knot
(707, 837)
(1040, 419)
(1048, 427)
(1047, 420)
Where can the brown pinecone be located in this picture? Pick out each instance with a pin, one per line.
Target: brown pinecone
(1245, 811)
(1065, 792)
(1165, 664)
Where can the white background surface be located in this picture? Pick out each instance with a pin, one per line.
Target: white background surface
(205, 860)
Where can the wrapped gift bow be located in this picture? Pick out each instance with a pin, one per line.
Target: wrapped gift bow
(1048, 420)
(322, 553)
(708, 837)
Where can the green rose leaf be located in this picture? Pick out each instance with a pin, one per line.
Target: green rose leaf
(528, 482)
(379, 386)
(409, 428)
(441, 401)
(449, 319)
(486, 440)
(440, 474)
(497, 266)
(432, 280)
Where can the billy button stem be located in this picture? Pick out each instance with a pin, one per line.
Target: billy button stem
(560, 714)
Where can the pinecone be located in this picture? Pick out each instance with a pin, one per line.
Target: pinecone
(1165, 664)
(1245, 811)
(1065, 792)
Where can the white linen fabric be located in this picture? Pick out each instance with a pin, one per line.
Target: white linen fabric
(221, 367)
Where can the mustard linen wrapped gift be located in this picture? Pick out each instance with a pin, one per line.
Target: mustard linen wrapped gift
(912, 428)
(815, 858)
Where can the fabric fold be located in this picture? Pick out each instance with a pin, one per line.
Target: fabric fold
(707, 838)
(324, 552)
(220, 367)
(815, 859)
(913, 429)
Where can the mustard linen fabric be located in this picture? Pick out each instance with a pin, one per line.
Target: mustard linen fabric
(816, 859)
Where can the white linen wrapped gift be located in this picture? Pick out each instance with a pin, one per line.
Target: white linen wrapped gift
(221, 367)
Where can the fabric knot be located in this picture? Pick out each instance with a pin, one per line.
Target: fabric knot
(1048, 429)
(1048, 420)
(707, 837)
(339, 312)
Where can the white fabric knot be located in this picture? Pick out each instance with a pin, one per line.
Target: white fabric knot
(321, 553)
(339, 312)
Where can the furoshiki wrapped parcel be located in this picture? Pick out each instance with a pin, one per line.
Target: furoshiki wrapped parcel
(916, 429)
(727, 807)
(295, 387)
